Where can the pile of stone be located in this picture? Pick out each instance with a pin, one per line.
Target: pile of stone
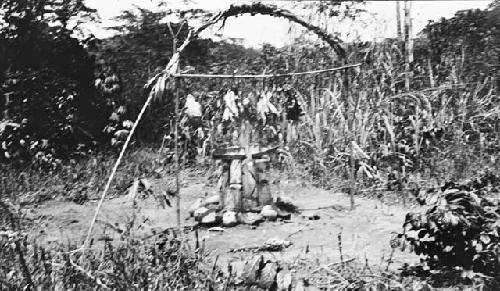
(208, 212)
(244, 193)
(263, 272)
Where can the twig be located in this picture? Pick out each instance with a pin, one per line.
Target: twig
(390, 260)
(333, 264)
(294, 233)
(340, 248)
(335, 206)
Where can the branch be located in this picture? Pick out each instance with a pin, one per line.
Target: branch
(259, 8)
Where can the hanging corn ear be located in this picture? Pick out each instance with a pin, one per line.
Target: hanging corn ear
(159, 87)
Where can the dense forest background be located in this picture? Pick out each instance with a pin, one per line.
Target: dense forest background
(60, 91)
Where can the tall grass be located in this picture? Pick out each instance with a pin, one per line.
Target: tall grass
(80, 179)
(439, 130)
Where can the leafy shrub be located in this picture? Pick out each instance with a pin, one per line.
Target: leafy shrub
(460, 230)
(43, 115)
(46, 76)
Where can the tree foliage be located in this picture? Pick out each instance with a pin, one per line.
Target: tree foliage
(47, 77)
(143, 46)
(467, 44)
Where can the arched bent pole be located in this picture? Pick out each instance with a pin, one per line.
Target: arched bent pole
(255, 8)
(234, 10)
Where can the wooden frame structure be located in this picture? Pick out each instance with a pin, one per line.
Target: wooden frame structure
(157, 85)
(178, 76)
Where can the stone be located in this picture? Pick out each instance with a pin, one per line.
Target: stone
(251, 269)
(268, 276)
(250, 218)
(286, 204)
(210, 219)
(421, 286)
(285, 199)
(310, 215)
(285, 215)
(216, 229)
(198, 203)
(229, 219)
(200, 213)
(275, 245)
(215, 199)
(284, 281)
(235, 186)
(256, 209)
(236, 271)
(214, 207)
(269, 213)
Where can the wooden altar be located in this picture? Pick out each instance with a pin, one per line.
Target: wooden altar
(244, 182)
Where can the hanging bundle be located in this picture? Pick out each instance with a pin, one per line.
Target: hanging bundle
(231, 110)
(294, 110)
(248, 109)
(264, 106)
(193, 107)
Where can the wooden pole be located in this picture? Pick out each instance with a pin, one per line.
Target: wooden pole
(176, 155)
(408, 59)
(408, 48)
(272, 76)
(351, 140)
(175, 52)
(352, 176)
(398, 20)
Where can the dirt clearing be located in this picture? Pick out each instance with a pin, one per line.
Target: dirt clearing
(365, 232)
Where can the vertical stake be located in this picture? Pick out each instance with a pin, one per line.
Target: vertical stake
(398, 20)
(352, 164)
(352, 176)
(339, 237)
(176, 155)
(408, 50)
(403, 183)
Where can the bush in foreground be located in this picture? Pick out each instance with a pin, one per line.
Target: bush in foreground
(460, 232)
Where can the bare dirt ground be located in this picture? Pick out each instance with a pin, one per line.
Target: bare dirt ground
(365, 232)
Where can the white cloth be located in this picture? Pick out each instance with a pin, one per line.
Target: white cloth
(193, 108)
(231, 109)
(265, 106)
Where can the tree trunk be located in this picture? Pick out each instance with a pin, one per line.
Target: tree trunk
(398, 20)
(408, 51)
